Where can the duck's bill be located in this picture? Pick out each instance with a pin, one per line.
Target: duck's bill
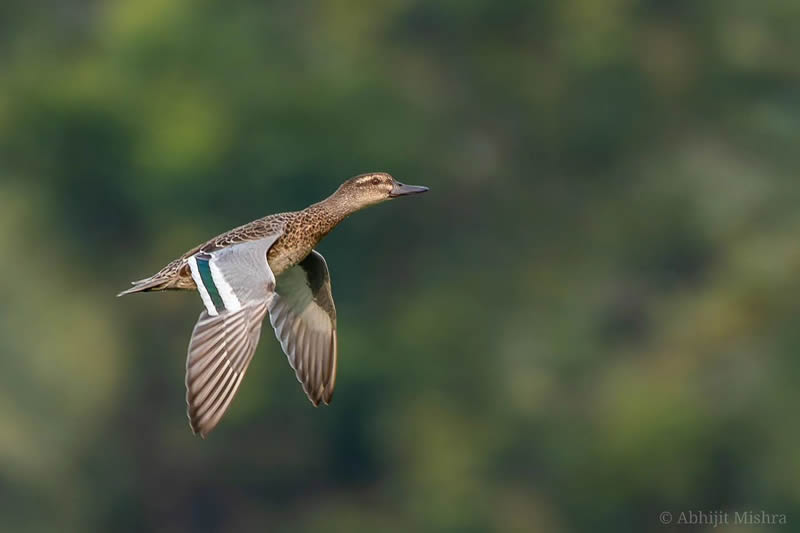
(404, 190)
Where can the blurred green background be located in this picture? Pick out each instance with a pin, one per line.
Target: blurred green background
(591, 318)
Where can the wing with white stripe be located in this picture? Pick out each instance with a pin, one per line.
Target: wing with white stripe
(236, 285)
(304, 317)
(229, 278)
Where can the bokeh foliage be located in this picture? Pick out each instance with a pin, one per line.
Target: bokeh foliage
(591, 318)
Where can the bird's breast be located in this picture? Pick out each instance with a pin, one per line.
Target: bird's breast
(287, 252)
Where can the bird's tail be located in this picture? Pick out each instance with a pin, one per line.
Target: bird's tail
(146, 285)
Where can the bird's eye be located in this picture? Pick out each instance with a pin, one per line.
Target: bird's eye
(375, 181)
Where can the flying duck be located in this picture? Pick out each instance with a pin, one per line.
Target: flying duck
(268, 266)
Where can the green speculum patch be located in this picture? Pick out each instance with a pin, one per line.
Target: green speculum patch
(208, 281)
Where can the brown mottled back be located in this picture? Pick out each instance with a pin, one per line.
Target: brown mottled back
(301, 231)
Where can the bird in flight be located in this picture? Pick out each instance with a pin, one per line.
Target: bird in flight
(268, 266)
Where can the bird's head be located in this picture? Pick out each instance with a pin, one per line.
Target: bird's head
(374, 187)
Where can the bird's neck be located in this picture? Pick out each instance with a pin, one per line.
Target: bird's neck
(335, 207)
(329, 212)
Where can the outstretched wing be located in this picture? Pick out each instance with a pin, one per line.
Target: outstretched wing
(304, 317)
(236, 285)
(220, 350)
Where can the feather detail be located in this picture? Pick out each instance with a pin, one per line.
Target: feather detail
(220, 351)
(205, 294)
(304, 318)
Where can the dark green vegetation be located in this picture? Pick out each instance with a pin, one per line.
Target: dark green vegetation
(591, 318)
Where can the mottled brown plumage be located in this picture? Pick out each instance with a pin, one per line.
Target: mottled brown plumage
(268, 266)
(302, 230)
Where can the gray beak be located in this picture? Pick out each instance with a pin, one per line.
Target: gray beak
(404, 190)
